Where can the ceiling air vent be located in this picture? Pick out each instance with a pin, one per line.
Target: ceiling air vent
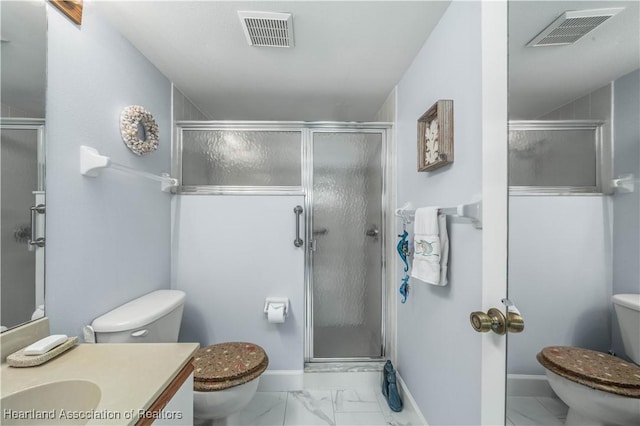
(572, 26)
(268, 29)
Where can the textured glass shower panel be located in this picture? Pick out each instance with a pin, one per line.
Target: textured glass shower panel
(19, 177)
(347, 229)
(564, 157)
(241, 158)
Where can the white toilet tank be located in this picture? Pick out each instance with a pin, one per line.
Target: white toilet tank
(152, 318)
(627, 308)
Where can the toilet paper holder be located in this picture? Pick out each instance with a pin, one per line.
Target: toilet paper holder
(278, 303)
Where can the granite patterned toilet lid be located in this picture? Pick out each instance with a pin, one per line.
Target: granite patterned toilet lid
(225, 365)
(594, 369)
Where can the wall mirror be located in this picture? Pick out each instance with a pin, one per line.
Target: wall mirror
(575, 243)
(22, 161)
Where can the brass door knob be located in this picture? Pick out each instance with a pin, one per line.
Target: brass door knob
(480, 321)
(494, 320)
(515, 322)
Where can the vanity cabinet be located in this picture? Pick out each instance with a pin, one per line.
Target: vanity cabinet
(130, 377)
(174, 406)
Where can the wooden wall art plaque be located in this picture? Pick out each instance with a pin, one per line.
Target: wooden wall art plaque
(435, 136)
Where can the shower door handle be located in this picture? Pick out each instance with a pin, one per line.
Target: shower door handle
(372, 232)
(297, 210)
(33, 241)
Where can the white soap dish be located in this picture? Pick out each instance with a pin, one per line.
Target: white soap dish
(19, 359)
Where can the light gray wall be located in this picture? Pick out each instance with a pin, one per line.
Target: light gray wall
(387, 111)
(560, 259)
(626, 207)
(23, 58)
(559, 275)
(438, 351)
(108, 238)
(230, 254)
(592, 106)
(184, 109)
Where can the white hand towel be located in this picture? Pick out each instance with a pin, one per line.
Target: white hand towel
(431, 246)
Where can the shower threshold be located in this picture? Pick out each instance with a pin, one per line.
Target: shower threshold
(343, 375)
(344, 367)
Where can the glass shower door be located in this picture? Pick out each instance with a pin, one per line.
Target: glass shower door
(347, 255)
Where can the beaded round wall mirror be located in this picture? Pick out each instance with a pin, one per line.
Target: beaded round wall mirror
(131, 118)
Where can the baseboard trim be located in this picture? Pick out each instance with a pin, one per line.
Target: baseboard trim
(342, 380)
(529, 385)
(281, 381)
(407, 397)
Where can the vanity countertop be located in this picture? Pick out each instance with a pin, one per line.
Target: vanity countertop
(131, 376)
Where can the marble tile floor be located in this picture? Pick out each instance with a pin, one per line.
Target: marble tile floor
(346, 407)
(528, 410)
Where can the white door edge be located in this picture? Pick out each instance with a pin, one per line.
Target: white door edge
(495, 197)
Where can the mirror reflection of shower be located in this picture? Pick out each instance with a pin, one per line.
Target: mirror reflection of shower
(22, 220)
(22, 91)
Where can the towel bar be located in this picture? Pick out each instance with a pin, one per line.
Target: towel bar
(471, 211)
(91, 162)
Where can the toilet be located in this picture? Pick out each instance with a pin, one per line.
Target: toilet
(598, 388)
(225, 376)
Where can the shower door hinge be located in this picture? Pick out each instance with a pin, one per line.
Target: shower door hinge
(312, 245)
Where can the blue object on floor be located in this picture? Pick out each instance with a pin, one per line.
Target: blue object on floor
(394, 401)
(388, 367)
(390, 388)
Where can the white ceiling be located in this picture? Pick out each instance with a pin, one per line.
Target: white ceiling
(347, 56)
(544, 78)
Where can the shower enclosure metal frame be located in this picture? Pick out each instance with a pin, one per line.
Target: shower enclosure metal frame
(38, 125)
(307, 131)
(309, 328)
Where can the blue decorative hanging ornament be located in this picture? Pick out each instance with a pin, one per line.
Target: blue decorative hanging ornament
(403, 251)
(403, 248)
(404, 288)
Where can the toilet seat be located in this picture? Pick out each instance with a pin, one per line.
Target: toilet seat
(225, 365)
(594, 369)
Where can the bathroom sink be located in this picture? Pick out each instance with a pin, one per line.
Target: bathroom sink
(68, 402)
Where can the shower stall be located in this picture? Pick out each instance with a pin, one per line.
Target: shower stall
(346, 258)
(335, 173)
